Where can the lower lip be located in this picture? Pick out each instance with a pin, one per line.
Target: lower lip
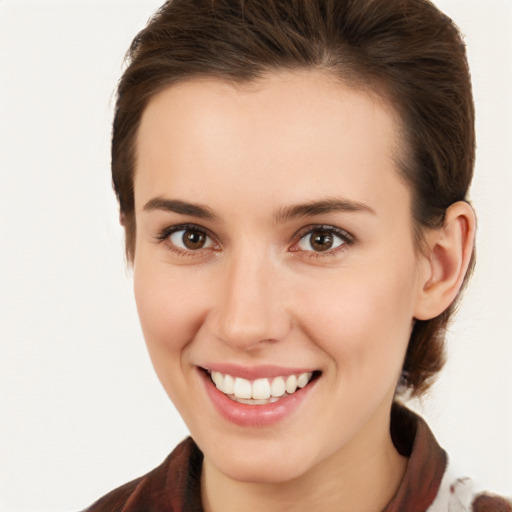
(254, 415)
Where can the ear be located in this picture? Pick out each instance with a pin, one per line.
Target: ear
(448, 254)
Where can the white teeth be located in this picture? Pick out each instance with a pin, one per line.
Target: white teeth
(303, 379)
(229, 385)
(291, 384)
(243, 388)
(259, 391)
(250, 402)
(217, 379)
(278, 387)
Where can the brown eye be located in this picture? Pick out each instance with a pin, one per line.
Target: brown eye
(193, 239)
(190, 239)
(321, 240)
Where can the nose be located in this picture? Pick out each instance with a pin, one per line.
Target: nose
(251, 306)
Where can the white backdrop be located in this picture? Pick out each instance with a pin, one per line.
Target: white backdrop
(80, 408)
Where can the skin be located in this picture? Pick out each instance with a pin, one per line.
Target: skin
(258, 293)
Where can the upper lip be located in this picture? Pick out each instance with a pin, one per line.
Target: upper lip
(255, 372)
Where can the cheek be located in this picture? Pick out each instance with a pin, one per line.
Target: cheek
(169, 309)
(170, 315)
(363, 322)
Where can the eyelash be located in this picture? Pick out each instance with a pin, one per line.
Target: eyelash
(346, 238)
(166, 233)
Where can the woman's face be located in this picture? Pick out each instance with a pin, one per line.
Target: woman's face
(274, 245)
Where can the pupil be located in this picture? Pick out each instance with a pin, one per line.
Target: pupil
(193, 239)
(322, 241)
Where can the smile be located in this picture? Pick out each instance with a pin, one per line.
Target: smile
(261, 391)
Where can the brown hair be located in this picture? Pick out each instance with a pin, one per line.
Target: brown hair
(405, 50)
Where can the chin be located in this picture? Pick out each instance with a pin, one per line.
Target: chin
(260, 467)
(267, 473)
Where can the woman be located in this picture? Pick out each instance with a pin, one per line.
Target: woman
(292, 180)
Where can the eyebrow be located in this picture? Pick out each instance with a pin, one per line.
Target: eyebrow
(181, 207)
(285, 214)
(313, 208)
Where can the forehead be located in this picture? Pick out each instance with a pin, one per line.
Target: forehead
(286, 129)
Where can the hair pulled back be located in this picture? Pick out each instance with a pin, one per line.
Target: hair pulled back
(404, 50)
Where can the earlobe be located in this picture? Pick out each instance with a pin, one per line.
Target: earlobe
(449, 251)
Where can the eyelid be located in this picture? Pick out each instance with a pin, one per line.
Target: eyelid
(347, 238)
(164, 234)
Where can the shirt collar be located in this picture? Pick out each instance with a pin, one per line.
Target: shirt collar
(409, 432)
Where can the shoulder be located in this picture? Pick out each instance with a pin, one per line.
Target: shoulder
(432, 482)
(488, 503)
(171, 487)
(115, 500)
(463, 494)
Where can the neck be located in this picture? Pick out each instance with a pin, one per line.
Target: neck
(363, 476)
